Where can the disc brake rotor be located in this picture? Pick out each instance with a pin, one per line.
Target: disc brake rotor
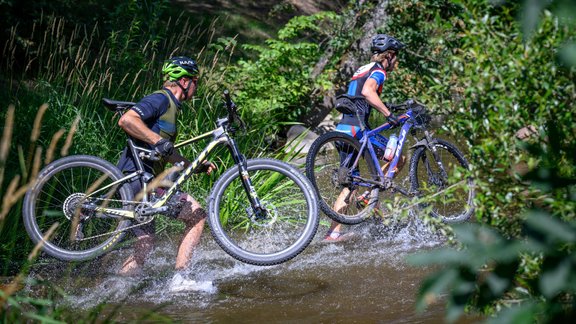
(267, 217)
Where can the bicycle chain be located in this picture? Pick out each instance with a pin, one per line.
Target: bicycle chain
(117, 231)
(124, 229)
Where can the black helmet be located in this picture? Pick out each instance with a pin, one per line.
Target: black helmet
(383, 42)
(178, 67)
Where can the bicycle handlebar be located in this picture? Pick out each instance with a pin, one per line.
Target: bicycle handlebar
(232, 110)
(401, 107)
(419, 111)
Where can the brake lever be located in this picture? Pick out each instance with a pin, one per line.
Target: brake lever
(152, 156)
(241, 122)
(396, 107)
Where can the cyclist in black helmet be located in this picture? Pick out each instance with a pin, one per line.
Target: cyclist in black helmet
(367, 82)
(152, 122)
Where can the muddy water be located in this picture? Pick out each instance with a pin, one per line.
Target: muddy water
(364, 280)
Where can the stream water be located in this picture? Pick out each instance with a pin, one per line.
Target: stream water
(363, 280)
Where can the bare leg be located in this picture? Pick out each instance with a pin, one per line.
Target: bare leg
(194, 217)
(142, 249)
(339, 206)
(399, 166)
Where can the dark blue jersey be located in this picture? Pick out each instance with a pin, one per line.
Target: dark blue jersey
(150, 109)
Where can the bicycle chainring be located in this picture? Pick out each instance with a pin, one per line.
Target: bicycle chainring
(140, 215)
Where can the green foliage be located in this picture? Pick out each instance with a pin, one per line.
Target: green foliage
(489, 84)
(492, 76)
(72, 63)
(275, 88)
(532, 276)
(487, 74)
(486, 271)
(300, 24)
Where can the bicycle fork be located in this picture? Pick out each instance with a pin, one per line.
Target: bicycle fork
(443, 174)
(258, 210)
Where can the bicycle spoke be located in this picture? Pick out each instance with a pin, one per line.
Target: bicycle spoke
(330, 167)
(451, 195)
(58, 197)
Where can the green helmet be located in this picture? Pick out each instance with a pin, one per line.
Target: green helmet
(178, 67)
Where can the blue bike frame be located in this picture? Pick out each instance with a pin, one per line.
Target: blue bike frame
(365, 143)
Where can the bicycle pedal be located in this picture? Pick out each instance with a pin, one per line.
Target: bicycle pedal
(362, 202)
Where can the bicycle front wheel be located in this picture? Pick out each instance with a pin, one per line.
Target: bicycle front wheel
(343, 192)
(277, 232)
(59, 197)
(451, 193)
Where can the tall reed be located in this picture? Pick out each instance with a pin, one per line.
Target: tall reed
(72, 69)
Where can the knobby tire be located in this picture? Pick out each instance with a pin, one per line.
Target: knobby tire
(290, 221)
(451, 206)
(55, 197)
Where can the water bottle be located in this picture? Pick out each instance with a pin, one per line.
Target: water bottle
(391, 147)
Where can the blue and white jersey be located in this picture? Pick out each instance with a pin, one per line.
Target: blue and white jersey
(374, 71)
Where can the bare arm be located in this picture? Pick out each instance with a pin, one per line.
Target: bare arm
(369, 91)
(133, 125)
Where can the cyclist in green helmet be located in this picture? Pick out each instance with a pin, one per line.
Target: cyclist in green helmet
(152, 122)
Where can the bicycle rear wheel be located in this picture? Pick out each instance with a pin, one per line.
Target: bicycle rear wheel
(343, 196)
(277, 233)
(59, 197)
(452, 195)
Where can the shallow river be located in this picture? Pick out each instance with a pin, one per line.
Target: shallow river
(365, 280)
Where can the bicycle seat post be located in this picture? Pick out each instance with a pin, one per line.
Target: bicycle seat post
(361, 122)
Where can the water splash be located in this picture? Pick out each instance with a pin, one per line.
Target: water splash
(333, 275)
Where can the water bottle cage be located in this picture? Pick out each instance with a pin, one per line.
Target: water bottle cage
(379, 153)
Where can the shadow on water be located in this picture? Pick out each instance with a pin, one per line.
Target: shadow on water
(363, 280)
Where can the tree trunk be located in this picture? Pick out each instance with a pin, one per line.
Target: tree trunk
(357, 54)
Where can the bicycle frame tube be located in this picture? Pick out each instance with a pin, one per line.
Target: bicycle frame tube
(113, 211)
(219, 137)
(365, 143)
(401, 140)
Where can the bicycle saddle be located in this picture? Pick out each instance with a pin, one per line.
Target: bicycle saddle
(115, 105)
